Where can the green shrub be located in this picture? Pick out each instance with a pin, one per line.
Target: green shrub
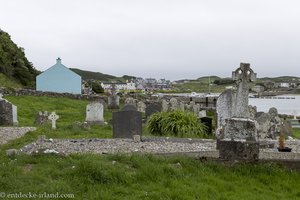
(177, 123)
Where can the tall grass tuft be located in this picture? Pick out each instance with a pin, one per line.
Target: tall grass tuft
(176, 123)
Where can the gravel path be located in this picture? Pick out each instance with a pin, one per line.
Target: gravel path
(11, 133)
(111, 146)
(148, 145)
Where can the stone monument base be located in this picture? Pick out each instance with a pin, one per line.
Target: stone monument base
(238, 150)
(240, 129)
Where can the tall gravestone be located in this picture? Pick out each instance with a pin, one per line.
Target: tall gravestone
(8, 113)
(174, 103)
(243, 76)
(113, 100)
(126, 124)
(164, 105)
(94, 113)
(224, 107)
(240, 132)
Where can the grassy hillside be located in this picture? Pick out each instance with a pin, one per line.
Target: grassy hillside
(13, 62)
(86, 75)
(127, 176)
(206, 79)
(7, 82)
(279, 79)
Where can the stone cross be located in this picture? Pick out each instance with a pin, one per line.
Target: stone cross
(53, 117)
(243, 76)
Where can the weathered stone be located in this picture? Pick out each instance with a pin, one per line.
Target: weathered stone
(196, 108)
(136, 138)
(141, 106)
(286, 128)
(113, 102)
(241, 129)
(252, 111)
(182, 106)
(8, 113)
(238, 150)
(165, 105)
(264, 124)
(130, 101)
(127, 123)
(41, 117)
(242, 75)
(94, 113)
(153, 108)
(12, 152)
(225, 103)
(202, 113)
(174, 104)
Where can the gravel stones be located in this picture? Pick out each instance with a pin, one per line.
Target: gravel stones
(11, 133)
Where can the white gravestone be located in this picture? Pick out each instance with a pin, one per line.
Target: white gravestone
(202, 113)
(94, 113)
(53, 117)
(141, 106)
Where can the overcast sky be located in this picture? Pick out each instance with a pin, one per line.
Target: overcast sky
(171, 39)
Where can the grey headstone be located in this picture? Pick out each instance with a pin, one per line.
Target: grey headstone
(113, 102)
(165, 105)
(182, 106)
(128, 107)
(126, 124)
(174, 103)
(196, 108)
(41, 117)
(152, 108)
(8, 113)
(224, 106)
(202, 113)
(94, 113)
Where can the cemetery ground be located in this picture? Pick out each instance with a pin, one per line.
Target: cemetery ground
(136, 176)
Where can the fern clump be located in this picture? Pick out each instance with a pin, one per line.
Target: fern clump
(176, 123)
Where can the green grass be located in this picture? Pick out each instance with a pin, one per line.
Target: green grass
(144, 177)
(135, 176)
(69, 110)
(296, 133)
(199, 86)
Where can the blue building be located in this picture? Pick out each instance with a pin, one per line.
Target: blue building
(59, 78)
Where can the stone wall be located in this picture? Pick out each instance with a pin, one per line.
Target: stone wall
(29, 92)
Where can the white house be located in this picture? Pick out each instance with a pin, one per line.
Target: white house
(59, 78)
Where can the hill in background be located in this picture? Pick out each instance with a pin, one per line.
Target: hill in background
(88, 75)
(13, 63)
